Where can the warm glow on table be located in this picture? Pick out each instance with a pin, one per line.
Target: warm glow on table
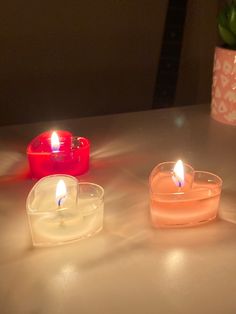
(129, 267)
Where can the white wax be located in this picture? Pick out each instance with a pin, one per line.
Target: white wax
(68, 224)
(79, 215)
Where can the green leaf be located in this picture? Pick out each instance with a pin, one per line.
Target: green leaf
(223, 16)
(232, 20)
(227, 36)
(222, 19)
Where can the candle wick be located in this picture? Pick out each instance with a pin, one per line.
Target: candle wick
(60, 211)
(60, 201)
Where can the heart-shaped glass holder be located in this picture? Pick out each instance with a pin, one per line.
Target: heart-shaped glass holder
(76, 215)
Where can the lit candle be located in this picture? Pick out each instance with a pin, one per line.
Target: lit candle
(61, 194)
(58, 152)
(62, 210)
(180, 196)
(178, 174)
(55, 142)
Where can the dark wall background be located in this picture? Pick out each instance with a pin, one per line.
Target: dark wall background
(199, 41)
(61, 59)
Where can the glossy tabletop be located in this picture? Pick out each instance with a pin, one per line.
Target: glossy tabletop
(129, 267)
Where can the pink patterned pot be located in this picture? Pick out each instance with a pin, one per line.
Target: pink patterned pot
(223, 104)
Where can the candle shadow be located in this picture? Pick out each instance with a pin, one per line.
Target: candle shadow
(205, 235)
(15, 256)
(14, 232)
(121, 152)
(228, 205)
(13, 167)
(137, 236)
(110, 149)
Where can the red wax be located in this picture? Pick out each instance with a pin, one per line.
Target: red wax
(72, 156)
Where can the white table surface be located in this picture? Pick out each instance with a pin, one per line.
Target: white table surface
(129, 267)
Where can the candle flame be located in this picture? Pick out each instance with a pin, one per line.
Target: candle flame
(55, 142)
(178, 173)
(61, 192)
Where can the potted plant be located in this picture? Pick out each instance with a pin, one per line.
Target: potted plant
(223, 104)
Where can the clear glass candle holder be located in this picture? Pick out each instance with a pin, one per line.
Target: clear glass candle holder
(196, 203)
(56, 220)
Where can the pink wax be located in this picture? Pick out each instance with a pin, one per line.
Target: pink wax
(194, 203)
